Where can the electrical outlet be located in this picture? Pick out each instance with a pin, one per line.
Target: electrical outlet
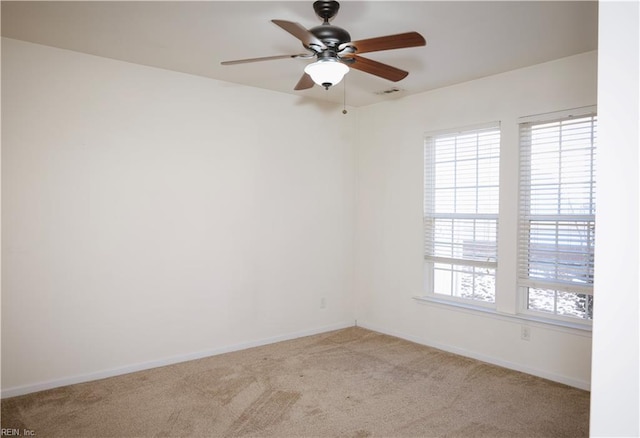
(525, 333)
(323, 303)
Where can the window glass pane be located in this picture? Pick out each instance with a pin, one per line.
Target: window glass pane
(445, 149)
(466, 173)
(544, 199)
(444, 200)
(466, 200)
(466, 147)
(561, 303)
(487, 171)
(442, 279)
(485, 231)
(463, 282)
(445, 174)
(442, 238)
(542, 300)
(485, 285)
(487, 200)
(562, 251)
(575, 305)
(575, 199)
(545, 168)
(489, 144)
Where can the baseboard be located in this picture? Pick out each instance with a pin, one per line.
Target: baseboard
(580, 384)
(42, 386)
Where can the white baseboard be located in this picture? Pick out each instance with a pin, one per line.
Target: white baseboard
(42, 386)
(580, 384)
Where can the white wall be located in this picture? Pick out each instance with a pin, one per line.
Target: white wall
(151, 216)
(615, 397)
(389, 240)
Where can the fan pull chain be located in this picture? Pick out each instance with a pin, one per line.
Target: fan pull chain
(344, 96)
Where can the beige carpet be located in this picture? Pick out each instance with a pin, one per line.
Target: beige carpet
(346, 383)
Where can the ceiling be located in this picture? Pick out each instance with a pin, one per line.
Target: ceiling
(465, 40)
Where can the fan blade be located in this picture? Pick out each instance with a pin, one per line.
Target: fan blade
(304, 83)
(378, 69)
(297, 30)
(399, 41)
(264, 58)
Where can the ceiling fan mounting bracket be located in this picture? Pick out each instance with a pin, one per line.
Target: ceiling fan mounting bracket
(326, 9)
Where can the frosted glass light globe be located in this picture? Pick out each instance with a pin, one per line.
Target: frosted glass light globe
(326, 72)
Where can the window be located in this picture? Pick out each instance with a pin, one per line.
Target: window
(461, 214)
(557, 216)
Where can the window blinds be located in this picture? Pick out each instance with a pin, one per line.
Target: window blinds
(461, 197)
(557, 206)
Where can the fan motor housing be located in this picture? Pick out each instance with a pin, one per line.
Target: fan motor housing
(330, 35)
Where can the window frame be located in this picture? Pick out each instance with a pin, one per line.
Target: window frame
(430, 216)
(524, 281)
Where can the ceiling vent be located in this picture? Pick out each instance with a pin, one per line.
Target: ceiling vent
(389, 91)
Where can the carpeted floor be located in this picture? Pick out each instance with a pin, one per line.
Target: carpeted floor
(346, 383)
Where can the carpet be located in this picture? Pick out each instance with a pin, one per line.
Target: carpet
(346, 383)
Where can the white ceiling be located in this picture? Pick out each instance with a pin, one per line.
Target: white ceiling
(465, 40)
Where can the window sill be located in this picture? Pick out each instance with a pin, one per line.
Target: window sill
(485, 312)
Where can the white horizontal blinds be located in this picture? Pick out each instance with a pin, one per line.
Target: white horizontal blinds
(557, 206)
(461, 210)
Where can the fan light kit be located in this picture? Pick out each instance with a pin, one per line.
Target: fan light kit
(336, 53)
(326, 72)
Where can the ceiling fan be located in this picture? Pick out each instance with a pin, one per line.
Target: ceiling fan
(335, 52)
